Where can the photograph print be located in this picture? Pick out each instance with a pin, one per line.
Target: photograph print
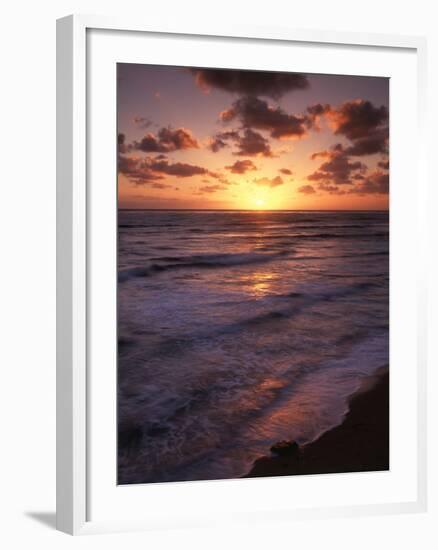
(253, 274)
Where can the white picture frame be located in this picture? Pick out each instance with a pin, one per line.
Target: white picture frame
(74, 220)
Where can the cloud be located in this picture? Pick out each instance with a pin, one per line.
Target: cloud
(211, 188)
(148, 170)
(121, 144)
(366, 128)
(266, 182)
(316, 112)
(253, 144)
(285, 171)
(167, 140)
(221, 140)
(377, 183)
(338, 169)
(331, 189)
(257, 113)
(356, 119)
(178, 169)
(250, 143)
(269, 84)
(160, 186)
(375, 142)
(142, 122)
(319, 154)
(362, 123)
(137, 170)
(241, 166)
(307, 189)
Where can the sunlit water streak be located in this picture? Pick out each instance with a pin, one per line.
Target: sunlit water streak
(237, 329)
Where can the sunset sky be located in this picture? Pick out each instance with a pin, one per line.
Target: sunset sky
(223, 139)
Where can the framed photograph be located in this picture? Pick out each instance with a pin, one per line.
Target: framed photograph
(241, 320)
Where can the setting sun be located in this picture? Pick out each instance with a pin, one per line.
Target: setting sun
(260, 203)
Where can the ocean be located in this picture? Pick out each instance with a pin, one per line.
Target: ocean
(240, 329)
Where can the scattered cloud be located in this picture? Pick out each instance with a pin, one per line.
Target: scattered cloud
(148, 170)
(250, 143)
(177, 169)
(253, 144)
(338, 169)
(267, 182)
(142, 122)
(384, 164)
(377, 183)
(307, 189)
(356, 119)
(364, 124)
(241, 166)
(160, 186)
(222, 139)
(257, 113)
(167, 140)
(315, 114)
(211, 188)
(121, 144)
(285, 171)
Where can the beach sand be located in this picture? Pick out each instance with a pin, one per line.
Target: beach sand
(359, 444)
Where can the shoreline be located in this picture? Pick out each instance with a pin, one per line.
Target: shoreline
(359, 444)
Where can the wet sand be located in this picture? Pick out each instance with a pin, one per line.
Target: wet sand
(359, 444)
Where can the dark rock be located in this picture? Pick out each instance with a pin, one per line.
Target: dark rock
(285, 448)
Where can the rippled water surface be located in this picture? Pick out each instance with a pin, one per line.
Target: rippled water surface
(237, 329)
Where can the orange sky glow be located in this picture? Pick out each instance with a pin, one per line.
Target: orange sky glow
(226, 139)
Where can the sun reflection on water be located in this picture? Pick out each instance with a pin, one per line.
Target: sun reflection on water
(260, 283)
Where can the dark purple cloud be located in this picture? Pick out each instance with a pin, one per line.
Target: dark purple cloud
(256, 113)
(222, 139)
(315, 113)
(356, 119)
(376, 183)
(254, 83)
(177, 169)
(375, 142)
(338, 169)
(167, 140)
(253, 144)
(137, 170)
(250, 143)
(331, 189)
(241, 166)
(362, 123)
(150, 170)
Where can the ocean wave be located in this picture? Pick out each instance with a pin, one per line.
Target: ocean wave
(201, 261)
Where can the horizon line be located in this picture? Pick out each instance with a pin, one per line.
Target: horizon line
(256, 210)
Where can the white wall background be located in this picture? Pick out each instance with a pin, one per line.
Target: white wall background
(27, 286)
